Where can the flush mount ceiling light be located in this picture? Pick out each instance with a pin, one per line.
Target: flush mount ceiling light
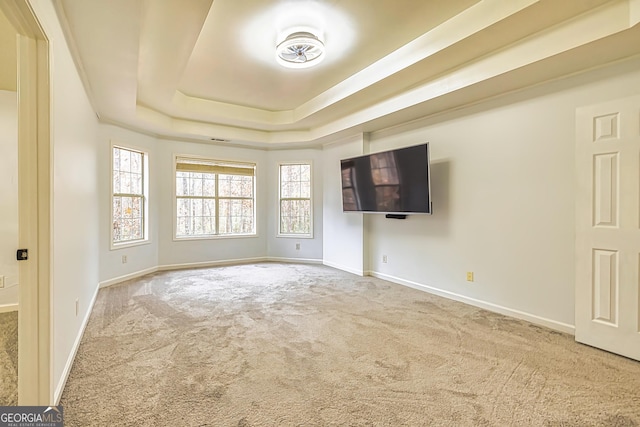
(300, 50)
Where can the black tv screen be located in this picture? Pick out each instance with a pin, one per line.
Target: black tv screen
(395, 181)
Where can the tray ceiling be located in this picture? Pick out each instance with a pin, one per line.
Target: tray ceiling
(203, 69)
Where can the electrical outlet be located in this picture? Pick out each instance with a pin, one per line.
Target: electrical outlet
(384, 259)
(297, 246)
(1, 281)
(469, 276)
(124, 259)
(77, 306)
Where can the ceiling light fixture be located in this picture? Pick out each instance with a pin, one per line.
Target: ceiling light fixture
(300, 50)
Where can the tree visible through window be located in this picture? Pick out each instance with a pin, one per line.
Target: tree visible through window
(214, 198)
(384, 174)
(295, 199)
(128, 201)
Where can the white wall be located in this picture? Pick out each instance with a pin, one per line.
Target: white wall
(75, 221)
(285, 247)
(162, 250)
(9, 196)
(142, 257)
(185, 252)
(343, 236)
(503, 199)
(502, 184)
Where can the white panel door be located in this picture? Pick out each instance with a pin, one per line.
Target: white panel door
(608, 226)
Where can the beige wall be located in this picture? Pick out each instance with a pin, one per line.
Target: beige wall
(343, 239)
(285, 247)
(8, 196)
(502, 184)
(75, 223)
(172, 252)
(8, 56)
(503, 199)
(143, 257)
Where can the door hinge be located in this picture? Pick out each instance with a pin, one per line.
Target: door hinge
(22, 254)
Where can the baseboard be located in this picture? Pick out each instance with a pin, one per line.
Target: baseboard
(343, 268)
(538, 320)
(294, 260)
(5, 308)
(9, 297)
(211, 263)
(57, 394)
(126, 277)
(167, 267)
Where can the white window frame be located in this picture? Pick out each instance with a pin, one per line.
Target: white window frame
(145, 193)
(177, 238)
(279, 186)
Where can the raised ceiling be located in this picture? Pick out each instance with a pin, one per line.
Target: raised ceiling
(203, 69)
(233, 58)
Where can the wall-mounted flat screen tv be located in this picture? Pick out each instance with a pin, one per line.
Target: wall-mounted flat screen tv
(391, 182)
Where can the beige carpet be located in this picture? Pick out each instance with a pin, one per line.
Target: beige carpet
(303, 345)
(9, 358)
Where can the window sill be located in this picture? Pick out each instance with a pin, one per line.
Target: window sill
(124, 245)
(214, 237)
(295, 236)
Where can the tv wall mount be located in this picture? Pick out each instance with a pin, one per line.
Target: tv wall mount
(395, 216)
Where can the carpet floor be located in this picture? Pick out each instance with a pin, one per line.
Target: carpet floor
(9, 358)
(274, 344)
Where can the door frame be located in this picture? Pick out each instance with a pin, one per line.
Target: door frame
(34, 206)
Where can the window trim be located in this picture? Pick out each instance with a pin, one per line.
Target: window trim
(145, 192)
(174, 197)
(279, 201)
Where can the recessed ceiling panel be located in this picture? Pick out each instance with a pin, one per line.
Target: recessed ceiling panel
(234, 58)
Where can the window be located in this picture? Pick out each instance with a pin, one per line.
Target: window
(295, 200)
(214, 198)
(384, 174)
(349, 202)
(129, 199)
